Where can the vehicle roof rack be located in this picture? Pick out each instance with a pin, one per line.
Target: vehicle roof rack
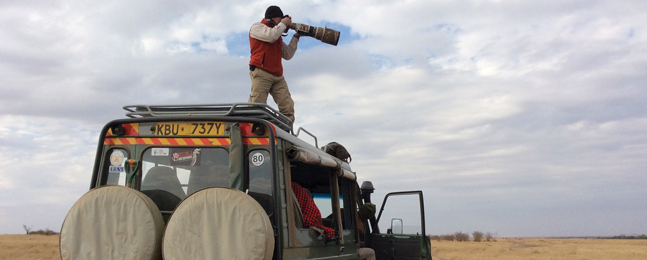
(255, 110)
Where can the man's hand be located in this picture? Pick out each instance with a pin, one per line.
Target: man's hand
(287, 20)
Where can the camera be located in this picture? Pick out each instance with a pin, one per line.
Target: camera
(325, 35)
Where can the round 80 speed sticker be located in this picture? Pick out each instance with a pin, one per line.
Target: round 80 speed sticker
(258, 159)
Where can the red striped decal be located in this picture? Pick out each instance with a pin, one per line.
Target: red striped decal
(246, 128)
(257, 141)
(167, 141)
(131, 129)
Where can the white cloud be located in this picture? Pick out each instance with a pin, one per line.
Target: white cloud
(482, 104)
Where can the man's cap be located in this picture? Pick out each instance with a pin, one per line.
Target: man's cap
(273, 11)
(367, 211)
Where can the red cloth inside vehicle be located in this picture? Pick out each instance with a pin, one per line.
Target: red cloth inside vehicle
(309, 210)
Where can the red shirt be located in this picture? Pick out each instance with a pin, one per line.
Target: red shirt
(309, 210)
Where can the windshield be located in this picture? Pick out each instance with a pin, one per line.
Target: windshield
(182, 171)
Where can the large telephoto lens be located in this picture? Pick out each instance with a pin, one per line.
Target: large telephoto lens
(324, 34)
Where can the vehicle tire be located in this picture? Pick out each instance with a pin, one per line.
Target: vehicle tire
(112, 222)
(218, 223)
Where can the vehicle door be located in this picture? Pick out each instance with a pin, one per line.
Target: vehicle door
(332, 197)
(402, 216)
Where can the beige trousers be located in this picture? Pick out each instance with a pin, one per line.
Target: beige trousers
(264, 83)
(366, 253)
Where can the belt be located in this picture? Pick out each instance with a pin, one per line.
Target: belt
(252, 67)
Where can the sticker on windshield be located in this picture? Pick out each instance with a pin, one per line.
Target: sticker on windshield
(159, 152)
(117, 157)
(258, 159)
(113, 168)
(185, 156)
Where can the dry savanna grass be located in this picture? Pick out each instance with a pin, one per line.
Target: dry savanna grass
(26, 247)
(541, 249)
(29, 247)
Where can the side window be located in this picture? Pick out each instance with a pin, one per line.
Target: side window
(324, 201)
(345, 194)
(401, 214)
(260, 178)
(316, 181)
(115, 167)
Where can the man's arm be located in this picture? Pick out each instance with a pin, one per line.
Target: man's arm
(264, 33)
(287, 52)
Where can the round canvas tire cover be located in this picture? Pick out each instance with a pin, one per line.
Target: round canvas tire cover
(112, 222)
(218, 223)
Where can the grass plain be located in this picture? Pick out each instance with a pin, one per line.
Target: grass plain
(541, 249)
(28, 247)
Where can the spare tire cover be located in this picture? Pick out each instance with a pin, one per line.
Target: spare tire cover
(112, 222)
(218, 223)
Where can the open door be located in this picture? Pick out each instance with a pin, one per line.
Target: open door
(401, 222)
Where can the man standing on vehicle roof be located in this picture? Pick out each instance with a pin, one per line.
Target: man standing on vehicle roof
(267, 50)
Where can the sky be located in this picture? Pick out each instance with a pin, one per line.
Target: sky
(519, 118)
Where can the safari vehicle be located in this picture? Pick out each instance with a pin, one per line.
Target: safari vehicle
(214, 182)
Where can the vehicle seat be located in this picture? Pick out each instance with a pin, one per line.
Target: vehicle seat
(206, 177)
(163, 178)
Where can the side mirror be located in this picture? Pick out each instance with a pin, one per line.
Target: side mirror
(396, 226)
